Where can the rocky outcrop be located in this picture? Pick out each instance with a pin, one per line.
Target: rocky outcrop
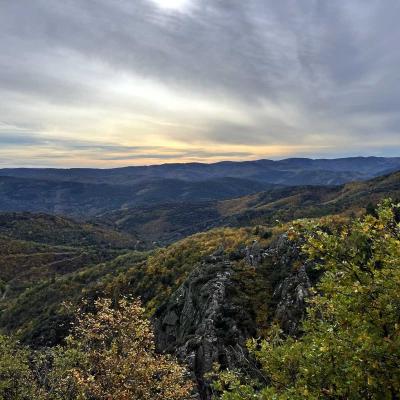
(292, 293)
(200, 324)
(203, 322)
(291, 287)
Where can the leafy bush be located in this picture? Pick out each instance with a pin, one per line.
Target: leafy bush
(16, 378)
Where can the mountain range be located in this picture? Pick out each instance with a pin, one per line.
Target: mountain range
(291, 171)
(88, 192)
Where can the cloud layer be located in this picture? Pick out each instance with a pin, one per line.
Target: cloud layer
(105, 83)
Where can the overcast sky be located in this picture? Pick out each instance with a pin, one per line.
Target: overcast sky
(125, 82)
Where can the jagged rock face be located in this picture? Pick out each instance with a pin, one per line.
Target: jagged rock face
(292, 293)
(292, 288)
(202, 322)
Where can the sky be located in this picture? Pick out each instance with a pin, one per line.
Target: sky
(108, 83)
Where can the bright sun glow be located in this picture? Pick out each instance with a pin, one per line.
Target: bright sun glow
(171, 4)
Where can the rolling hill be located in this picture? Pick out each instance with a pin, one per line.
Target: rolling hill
(169, 222)
(79, 199)
(39, 247)
(86, 193)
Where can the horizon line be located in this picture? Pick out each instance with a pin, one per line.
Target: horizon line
(202, 163)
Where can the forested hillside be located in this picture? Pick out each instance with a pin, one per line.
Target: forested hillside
(172, 221)
(252, 271)
(210, 293)
(81, 200)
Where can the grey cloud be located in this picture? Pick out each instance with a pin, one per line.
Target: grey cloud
(102, 151)
(28, 139)
(193, 154)
(335, 62)
(250, 48)
(16, 139)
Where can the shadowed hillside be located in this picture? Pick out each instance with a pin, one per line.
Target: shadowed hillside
(89, 192)
(85, 199)
(169, 222)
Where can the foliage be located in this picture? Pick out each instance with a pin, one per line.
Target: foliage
(350, 348)
(56, 230)
(36, 314)
(16, 377)
(168, 268)
(110, 354)
(39, 254)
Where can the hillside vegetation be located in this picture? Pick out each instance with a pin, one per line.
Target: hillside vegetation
(57, 230)
(47, 259)
(167, 223)
(254, 270)
(83, 199)
(39, 248)
(33, 297)
(95, 362)
(255, 283)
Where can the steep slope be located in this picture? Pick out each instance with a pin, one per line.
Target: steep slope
(206, 294)
(35, 248)
(35, 310)
(232, 296)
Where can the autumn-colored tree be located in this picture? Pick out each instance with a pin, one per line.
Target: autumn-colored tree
(110, 354)
(350, 347)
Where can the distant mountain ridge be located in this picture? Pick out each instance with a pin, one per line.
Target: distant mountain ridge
(86, 193)
(291, 171)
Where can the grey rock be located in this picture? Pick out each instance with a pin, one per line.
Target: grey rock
(205, 329)
(292, 293)
(202, 324)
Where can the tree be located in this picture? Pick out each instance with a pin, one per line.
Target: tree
(110, 354)
(16, 378)
(350, 347)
